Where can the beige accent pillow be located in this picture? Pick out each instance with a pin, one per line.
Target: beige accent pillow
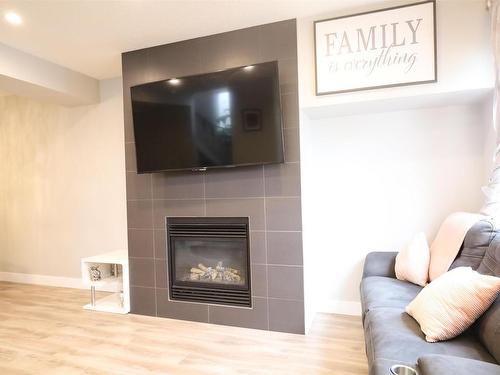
(449, 239)
(451, 303)
(412, 263)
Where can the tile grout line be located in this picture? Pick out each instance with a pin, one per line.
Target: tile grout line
(154, 242)
(204, 194)
(204, 183)
(255, 230)
(265, 242)
(217, 304)
(214, 199)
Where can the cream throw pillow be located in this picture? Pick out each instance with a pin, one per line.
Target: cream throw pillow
(412, 263)
(449, 239)
(451, 303)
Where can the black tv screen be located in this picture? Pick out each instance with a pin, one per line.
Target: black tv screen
(220, 119)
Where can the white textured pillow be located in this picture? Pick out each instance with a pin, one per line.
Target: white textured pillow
(449, 239)
(451, 303)
(412, 263)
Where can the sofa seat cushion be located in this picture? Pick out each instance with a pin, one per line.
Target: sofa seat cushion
(378, 291)
(392, 334)
(450, 365)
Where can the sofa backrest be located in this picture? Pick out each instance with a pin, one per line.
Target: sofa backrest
(476, 242)
(488, 325)
(481, 251)
(490, 265)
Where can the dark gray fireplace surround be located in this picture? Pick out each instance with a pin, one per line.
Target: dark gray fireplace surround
(268, 195)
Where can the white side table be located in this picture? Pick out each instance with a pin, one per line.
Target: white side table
(113, 277)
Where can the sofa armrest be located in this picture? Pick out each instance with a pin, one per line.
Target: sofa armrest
(447, 364)
(380, 263)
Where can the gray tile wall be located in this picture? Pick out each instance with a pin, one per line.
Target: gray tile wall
(269, 195)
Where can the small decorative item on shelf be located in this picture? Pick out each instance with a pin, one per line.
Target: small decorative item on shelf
(95, 274)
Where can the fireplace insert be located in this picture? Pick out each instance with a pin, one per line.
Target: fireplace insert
(209, 260)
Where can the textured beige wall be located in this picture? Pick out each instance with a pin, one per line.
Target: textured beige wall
(62, 183)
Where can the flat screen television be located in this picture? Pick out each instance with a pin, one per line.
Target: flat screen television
(221, 119)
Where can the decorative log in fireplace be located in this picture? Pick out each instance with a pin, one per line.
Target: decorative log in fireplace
(209, 260)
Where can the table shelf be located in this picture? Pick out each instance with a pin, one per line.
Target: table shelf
(114, 273)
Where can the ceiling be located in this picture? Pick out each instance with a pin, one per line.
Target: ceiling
(89, 36)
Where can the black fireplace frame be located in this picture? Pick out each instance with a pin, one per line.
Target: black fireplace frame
(221, 228)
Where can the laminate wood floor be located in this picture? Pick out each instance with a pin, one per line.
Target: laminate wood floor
(44, 330)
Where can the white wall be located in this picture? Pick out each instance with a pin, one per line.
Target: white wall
(379, 166)
(371, 182)
(490, 138)
(62, 183)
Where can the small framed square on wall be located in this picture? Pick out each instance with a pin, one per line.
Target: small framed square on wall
(383, 48)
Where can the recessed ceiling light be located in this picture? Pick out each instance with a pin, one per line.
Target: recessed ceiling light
(13, 18)
(174, 81)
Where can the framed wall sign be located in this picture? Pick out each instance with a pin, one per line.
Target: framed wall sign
(384, 48)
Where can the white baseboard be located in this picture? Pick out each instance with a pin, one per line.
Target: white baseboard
(340, 307)
(26, 278)
(58, 281)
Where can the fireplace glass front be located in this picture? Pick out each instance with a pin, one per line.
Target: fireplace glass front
(209, 260)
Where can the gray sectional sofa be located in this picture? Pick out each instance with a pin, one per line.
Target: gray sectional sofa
(394, 337)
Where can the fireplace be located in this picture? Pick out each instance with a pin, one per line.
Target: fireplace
(209, 260)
